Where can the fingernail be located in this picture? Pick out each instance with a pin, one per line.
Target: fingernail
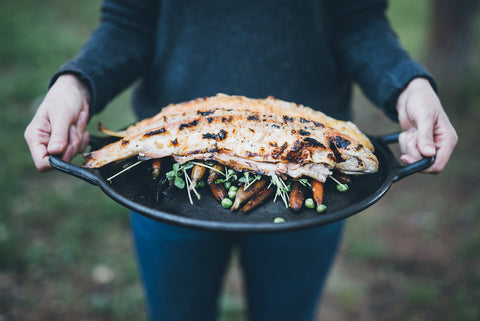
(429, 149)
(55, 146)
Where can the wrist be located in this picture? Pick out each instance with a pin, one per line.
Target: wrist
(416, 85)
(71, 80)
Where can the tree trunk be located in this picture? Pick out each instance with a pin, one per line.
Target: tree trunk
(450, 50)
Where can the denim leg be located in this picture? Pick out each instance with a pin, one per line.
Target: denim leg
(182, 269)
(285, 272)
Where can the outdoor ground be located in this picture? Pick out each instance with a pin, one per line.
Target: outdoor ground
(65, 251)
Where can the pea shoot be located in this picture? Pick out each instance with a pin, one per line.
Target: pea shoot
(282, 189)
(230, 176)
(176, 174)
(246, 179)
(304, 182)
(124, 170)
(340, 187)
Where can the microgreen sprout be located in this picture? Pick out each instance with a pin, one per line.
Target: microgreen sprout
(229, 176)
(124, 170)
(282, 189)
(176, 174)
(208, 165)
(304, 182)
(188, 180)
(340, 187)
(246, 179)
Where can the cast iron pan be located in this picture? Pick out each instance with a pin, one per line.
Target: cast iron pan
(136, 190)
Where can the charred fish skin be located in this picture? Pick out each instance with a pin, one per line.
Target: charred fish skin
(244, 139)
(269, 105)
(250, 135)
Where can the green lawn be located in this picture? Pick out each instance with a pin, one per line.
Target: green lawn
(65, 249)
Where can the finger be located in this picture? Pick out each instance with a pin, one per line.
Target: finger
(60, 129)
(68, 154)
(40, 157)
(441, 160)
(37, 143)
(446, 143)
(412, 147)
(74, 139)
(409, 147)
(73, 144)
(84, 143)
(402, 141)
(82, 121)
(425, 141)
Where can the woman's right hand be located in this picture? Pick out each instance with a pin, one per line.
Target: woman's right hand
(58, 126)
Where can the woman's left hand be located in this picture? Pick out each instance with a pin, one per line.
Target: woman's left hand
(427, 131)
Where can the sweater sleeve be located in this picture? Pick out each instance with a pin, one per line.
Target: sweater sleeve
(371, 54)
(117, 52)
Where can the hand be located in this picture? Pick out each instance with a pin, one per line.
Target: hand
(427, 129)
(58, 126)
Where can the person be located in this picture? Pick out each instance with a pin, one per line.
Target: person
(309, 52)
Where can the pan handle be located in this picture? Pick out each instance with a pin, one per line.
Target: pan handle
(404, 171)
(73, 170)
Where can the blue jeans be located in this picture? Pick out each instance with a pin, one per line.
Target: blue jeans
(182, 270)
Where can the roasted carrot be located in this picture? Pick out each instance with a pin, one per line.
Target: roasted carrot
(214, 174)
(156, 164)
(243, 195)
(218, 190)
(317, 190)
(342, 178)
(297, 194)
(198, 172)
(257, 199)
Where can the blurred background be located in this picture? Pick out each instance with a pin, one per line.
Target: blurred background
(65, 250)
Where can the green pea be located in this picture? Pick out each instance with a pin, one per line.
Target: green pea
(227, 185)
(342, 187)
(321, 208)
(201, 184)
(278, 220)
(310, 203)
(226, 203)
(232, 193)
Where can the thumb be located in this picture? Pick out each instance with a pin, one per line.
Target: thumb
(59, 133)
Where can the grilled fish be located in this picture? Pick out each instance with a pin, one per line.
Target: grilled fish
(269, 105)
(265, 136)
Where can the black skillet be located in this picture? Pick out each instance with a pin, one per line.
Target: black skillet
(136, 190)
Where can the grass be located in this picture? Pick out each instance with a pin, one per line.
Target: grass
(57, 233)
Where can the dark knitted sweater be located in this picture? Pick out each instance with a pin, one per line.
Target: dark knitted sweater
(307, 51)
